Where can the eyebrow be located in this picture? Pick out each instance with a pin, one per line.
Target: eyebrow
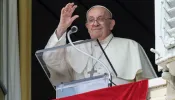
(93, 17)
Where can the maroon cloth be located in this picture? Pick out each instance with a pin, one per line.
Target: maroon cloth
(132, 91)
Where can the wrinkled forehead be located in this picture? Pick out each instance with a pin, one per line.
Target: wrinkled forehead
(102, 9)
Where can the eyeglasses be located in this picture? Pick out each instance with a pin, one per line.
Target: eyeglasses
(99, 20)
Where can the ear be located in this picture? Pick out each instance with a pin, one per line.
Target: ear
(87, 25)
(112, 24)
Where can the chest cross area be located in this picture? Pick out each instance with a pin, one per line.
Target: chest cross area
(92, 72)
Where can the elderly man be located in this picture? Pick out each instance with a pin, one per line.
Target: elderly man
(128, 58)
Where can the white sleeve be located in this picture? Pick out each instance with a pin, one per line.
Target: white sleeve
(59, 68)
(147, 68)
(56, 41)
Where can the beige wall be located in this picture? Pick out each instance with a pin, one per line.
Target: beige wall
(25, 47)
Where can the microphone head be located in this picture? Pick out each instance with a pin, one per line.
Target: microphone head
(74, 29)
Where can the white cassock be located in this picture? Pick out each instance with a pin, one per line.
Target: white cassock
(127, 56)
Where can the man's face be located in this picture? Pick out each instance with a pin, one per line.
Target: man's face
(99, 23)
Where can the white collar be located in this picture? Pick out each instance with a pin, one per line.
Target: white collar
(105, 41)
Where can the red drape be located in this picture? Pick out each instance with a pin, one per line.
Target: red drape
(132, 91)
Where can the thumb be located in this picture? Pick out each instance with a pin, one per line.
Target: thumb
(74, 17)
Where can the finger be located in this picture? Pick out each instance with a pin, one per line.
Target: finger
(74, 17)
(62, 10)
(67, 7)
(70, 7)
(73, 9)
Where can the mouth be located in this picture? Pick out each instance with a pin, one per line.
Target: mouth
(97, 29)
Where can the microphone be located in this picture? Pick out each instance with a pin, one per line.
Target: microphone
(74, 29)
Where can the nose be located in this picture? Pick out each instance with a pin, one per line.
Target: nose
(96, 23)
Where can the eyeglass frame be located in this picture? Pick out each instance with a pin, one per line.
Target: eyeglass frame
(104, 19)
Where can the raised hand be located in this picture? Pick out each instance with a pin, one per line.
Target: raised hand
(66, 18)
